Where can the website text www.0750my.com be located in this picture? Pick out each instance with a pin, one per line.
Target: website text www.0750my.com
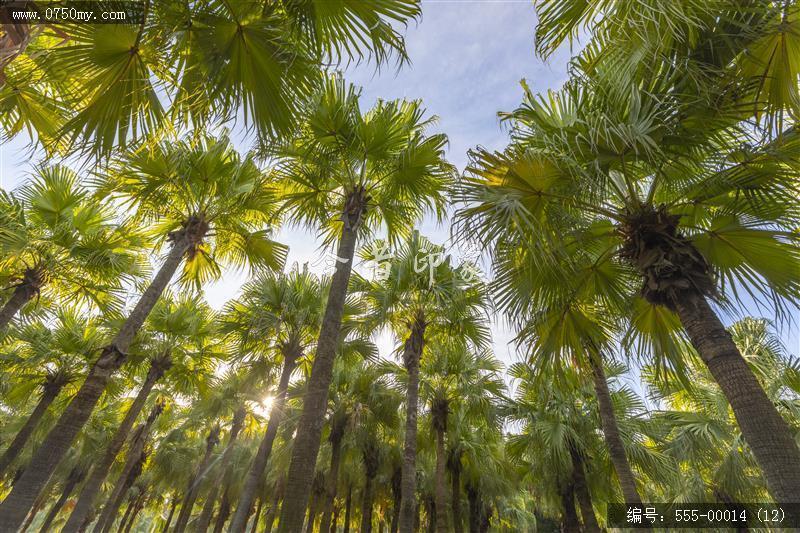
(20, 12)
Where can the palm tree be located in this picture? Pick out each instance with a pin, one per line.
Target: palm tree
(137, 453)
(650, 217)
(194, 482)
(456, 380)
(212, 206)
(58, 242)
(422, 296)
(288, 309)
(75, 476)
(177, 330)
(348, 174)
(102, 85)
(360, 400)
(557, 415)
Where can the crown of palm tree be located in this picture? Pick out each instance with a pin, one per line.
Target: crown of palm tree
(204, 185)
(68, 245)
(421, 278)
(343, 161)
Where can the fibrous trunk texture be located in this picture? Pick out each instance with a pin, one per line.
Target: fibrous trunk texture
(309, 429)
(412, 351)
(765, 431)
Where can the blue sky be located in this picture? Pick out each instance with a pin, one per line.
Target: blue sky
(467, 59)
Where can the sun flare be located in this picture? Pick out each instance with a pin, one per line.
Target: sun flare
(264, 407)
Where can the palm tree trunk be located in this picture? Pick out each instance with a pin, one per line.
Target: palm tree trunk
(131, 471)
(137, 508)
(224, 512)
(475, 504)
(431, 512)
(256, 472)
(222, 467)
(25, 432)
(75, 476)
(412, 351)
(134, 461)
(32, 281)
(100, 469)
(272, 512)
(765, 431)
(569, 521)
(455, 496)
(309, 429)
(194, 484)
(366, 505)
(38, 505)
(172, 507)
(60, 438)
(128, 509)
(334, 520)
(395, 483)
(312, 513)
(441, 489)
(333, 477)
(608, 421)
(36, 508)
(348, 504)
(257, 515)
(582, 492)
(207, 514)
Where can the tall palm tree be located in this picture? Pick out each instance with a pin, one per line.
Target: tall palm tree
(422, 296)
(625, 192)
(212, 439)
(276, 317)
(178, 332)
(348, 174)
(360, 400)
(58, 242)
(557, 416)
(457, 380)
(137, 453)
(212, 207)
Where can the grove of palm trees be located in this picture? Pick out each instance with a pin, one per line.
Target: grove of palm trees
(599, 308)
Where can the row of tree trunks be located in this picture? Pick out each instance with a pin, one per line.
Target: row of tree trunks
(16, 506)
(100, 469)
